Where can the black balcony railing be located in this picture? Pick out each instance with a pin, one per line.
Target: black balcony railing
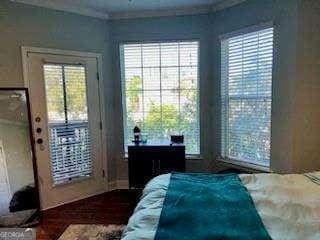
(70, 151)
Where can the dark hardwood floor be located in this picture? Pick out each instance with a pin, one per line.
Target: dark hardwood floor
(114, 207)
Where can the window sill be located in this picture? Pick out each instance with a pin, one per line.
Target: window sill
(194, 157)
(243, 165)
(72, 181)
(189, 157)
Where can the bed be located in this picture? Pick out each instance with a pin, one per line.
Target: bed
(245, 206)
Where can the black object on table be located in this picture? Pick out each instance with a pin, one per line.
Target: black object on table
(152, 159)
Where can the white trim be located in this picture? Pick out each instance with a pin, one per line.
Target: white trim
(72, 8)
(160, 13)
(73, 200)
(26, 50)
(112, 185)
(103, 121)
(225, 4)
(122, 184)
(123, 87)
(253, 28)
(87, 11)
(24, 55)
(176, 12)
(119, 184)
(123, 98)
(243, 165)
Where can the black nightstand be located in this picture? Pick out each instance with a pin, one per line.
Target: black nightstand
(149, 160)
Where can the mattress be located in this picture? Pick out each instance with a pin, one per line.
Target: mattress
(288, 205)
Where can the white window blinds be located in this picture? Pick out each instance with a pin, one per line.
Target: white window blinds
(69, 137)
(160, 91)
(246, 83)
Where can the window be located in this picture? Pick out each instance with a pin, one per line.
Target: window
(68, 122)
(160, 91)
(246, 82)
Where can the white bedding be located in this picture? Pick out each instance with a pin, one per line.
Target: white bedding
(289, 206)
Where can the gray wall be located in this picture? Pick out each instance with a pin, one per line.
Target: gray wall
(295, 114)
(24, 25)
(207, 29)
(306, 145)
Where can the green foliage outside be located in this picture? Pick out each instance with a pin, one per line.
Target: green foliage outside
(75, 94)
(133, 96)
(155, 124)
(161, 121)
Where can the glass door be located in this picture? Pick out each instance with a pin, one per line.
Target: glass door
(67, 121)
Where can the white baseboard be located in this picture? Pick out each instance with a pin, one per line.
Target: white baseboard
(122, 184)
(74, 200)
(113, 185)
(119, 184)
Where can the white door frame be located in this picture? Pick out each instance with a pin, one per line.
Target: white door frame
(26, 50)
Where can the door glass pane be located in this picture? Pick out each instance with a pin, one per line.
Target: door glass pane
(69, 136)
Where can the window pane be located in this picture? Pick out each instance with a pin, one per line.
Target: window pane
(133, 79)
(170, 112)
(151, 55)
(188, 54)
(161, 96)
(151, 99)
(76, 93)
(189, 105)
(246, 84)
(169, 78)
(54, 92)
(133, 55)
(169, 54)
(152, 124)
(190, 119)
(151, 78)
(66, 96)
(188, 77)
(134, 101)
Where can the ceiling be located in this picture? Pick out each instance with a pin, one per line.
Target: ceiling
(133, 8)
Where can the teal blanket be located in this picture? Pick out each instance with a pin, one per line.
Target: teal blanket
(209, 207)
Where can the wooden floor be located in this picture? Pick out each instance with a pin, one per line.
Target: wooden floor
(114, 207)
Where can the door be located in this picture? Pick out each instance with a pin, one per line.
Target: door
(64, 97)
(5, 194)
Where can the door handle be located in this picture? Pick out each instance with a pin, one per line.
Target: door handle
(38, 119)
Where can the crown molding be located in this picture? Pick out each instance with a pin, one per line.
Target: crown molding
(131, 14)
(176, 12)
(160, 13)
(225, 4)
(65, 7)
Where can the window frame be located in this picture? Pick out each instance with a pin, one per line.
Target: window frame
(196, 156)
(236, 162)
